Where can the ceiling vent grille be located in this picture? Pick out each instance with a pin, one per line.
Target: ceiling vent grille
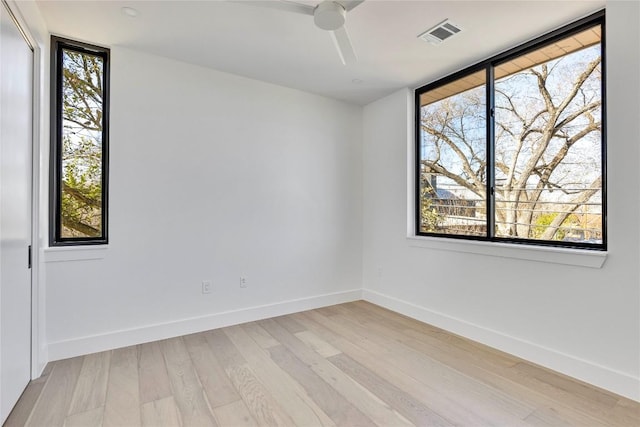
(440, 32)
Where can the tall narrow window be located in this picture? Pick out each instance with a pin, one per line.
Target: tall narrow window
(79, 143)
(513, 149)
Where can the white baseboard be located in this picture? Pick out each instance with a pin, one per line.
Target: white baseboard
(122, 338)
(584, 370)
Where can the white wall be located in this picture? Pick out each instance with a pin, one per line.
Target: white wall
(212, 176)
(581, 321)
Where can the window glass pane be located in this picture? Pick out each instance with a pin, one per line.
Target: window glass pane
(82, 126)
(452, 154)
(548, 161)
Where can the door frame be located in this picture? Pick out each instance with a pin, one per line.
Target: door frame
(39, 356)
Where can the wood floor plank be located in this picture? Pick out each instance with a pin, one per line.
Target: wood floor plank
(223, 349)
(53, 404)
(91, 388)
(214, 380)
(90, 418)
(561, 382)
(122, 407)
(328, 311)
(264, 408)
(235, 414)
(318, 345)
(259, 335)
(414, 410)
(291, 395)
(626, 410)
(550, 416)
(362, 398)
(289, 323)
(152, 373)
(160, 413)
(185, 387)
(341, 411)
(257, 399)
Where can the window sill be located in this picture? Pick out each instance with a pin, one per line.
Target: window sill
(74, 253)
(577, 257)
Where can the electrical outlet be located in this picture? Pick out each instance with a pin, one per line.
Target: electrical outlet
(243, 282)
(206, 286)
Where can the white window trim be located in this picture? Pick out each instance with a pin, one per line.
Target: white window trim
(74, 253)
(546, 254)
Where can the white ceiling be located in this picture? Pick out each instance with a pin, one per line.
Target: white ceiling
(287, 49)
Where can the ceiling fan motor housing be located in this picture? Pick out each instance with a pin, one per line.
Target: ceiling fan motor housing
(329, 15)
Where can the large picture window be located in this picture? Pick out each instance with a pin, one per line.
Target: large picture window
(513, 149)
(79, 143)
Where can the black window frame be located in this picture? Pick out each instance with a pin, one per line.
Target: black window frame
(58, 44)
(488, 65)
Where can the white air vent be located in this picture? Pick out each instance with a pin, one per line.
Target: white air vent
(440, 32)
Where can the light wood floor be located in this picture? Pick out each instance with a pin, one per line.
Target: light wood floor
(353, 364)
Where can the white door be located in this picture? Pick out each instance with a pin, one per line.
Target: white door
(16, 77)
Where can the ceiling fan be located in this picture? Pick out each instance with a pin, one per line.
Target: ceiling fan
(328, 15)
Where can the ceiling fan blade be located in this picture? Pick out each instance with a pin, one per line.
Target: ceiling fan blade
(287, 6)
(350, 4)
(343, 44)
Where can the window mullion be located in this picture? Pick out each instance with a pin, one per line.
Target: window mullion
(490, 160)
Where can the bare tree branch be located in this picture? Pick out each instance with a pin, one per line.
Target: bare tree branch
(577, 84)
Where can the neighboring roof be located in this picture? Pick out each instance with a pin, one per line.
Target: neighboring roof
(445, 194)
